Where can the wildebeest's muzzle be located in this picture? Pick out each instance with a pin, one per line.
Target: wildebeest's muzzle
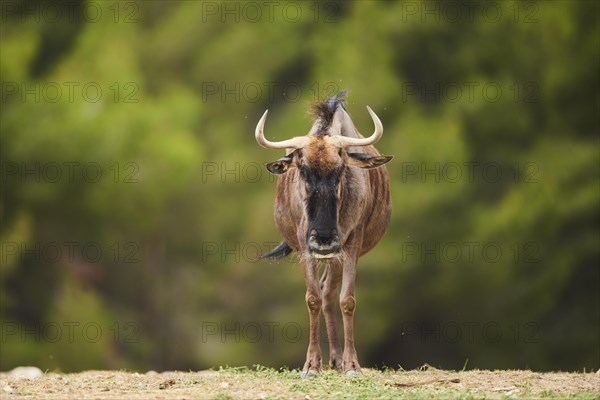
(324, 243)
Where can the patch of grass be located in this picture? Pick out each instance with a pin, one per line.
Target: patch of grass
(428, 382)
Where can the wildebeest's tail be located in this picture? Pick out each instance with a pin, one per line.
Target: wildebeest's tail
(278, 252)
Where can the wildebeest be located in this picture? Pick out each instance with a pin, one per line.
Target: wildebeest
(332, 206)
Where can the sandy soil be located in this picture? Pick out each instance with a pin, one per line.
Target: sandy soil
(243, 384)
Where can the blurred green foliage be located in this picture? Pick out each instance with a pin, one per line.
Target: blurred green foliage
(147, 112)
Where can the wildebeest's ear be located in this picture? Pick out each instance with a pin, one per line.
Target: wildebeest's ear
(280, 166)
(366, 161)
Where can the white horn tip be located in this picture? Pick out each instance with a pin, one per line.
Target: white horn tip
(373, 115)
(262, 120)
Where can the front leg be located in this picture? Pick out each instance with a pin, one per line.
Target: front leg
(348, 306)
(312, 366)
(329, 284)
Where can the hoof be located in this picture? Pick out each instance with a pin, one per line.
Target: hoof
(308, 374)
(336, 364)
(352, 372)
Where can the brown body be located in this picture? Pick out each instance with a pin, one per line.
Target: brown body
(365, 207)
(332, 206)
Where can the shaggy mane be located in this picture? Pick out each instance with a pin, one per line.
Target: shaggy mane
(324, 111)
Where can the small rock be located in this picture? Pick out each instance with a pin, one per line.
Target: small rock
(167, 384)
(225, 385)
(151, 372)
(7, 389)
(26, 372)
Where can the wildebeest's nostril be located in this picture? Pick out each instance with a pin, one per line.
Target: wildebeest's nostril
(324, 236)
(324, 243)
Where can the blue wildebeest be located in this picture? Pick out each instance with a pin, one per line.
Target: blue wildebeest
(332, 206)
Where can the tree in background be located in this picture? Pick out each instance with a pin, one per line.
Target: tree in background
(133, 196)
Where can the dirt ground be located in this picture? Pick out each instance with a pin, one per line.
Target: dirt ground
(265, 383)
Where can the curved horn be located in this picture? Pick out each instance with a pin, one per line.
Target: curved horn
(344, 141)
(293, 143)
